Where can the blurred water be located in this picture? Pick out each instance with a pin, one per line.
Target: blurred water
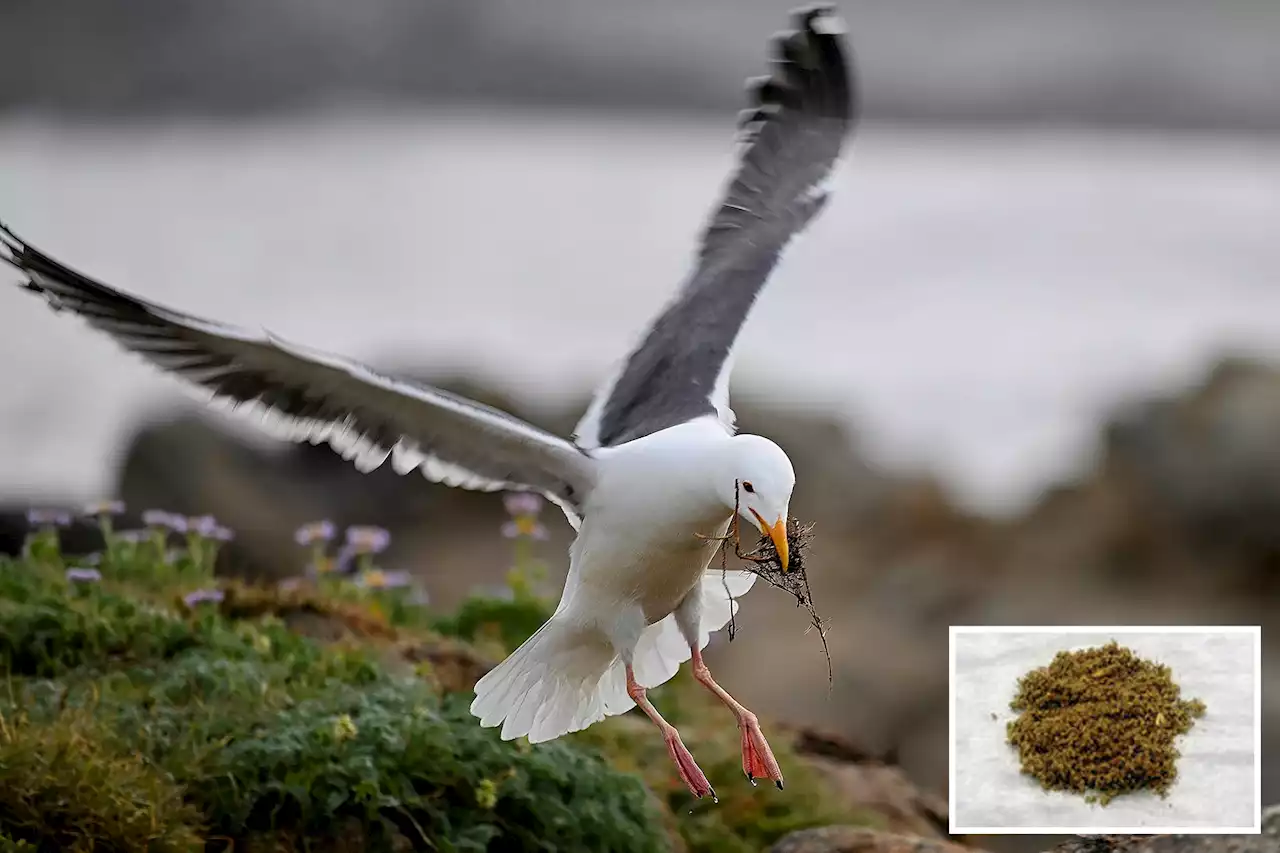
(973, 301)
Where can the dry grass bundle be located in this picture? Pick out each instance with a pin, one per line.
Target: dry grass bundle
(764, 561)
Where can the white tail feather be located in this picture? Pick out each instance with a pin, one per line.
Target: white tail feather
(550, 685)
(566, 677)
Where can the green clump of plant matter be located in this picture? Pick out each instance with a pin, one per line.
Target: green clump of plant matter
(150, 707)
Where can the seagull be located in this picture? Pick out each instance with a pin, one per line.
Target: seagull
(656, 472)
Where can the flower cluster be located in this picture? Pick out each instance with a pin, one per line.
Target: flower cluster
(48, 518)
(360, 544)
(161, 520)
(350, 568)
(208, 527)
(524, 509)
(315, 532)
(345, 557)
(203, 596)
(367, 539)
(183, 548)
(120, 549)
(524, 527)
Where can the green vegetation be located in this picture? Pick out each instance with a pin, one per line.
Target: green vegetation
(147, 708)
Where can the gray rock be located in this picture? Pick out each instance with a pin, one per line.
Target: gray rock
(1205, 464)
(859, 839)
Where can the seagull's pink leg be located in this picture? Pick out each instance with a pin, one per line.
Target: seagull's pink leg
(690, 773)
(757, 758)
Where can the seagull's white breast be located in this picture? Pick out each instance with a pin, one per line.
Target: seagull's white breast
(651, 524)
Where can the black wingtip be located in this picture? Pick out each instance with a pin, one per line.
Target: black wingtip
(8, 239)
(812, 73)
(17, 253)
(820, 40)
(11, 249)
(820, 18)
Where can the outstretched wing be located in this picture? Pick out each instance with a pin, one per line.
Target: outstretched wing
(792, 135)
(309, 395)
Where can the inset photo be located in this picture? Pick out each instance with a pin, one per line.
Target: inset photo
(1105, 730)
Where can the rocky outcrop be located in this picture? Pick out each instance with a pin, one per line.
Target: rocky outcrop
(1204, 465)
(856, 839)
(873, 783)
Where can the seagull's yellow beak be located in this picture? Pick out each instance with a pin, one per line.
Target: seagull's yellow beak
(778, 533)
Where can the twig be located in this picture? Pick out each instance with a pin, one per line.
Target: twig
(764, 562)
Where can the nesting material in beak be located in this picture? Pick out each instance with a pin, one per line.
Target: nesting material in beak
(779, 560)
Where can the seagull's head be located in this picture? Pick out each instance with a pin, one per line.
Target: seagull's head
(759, 483)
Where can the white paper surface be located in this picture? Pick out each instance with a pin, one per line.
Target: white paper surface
(1216, 783)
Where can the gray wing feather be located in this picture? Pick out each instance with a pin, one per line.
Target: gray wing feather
(792, 135)
(309, 395)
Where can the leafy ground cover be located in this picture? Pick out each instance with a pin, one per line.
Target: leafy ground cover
(148, 705)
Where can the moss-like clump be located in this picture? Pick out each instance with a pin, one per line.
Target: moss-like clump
(1101, 722)
(67, 780)
(139, 717)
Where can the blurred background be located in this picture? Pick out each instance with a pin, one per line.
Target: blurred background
(1026, 362)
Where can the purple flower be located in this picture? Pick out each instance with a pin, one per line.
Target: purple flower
(208, 527)
(82, 575)
(522, 504)
(368, 539)
(524, 525)
(202, 524)
(314, 532)
(342, 564)
(103, 508)
(200, 596)
(156, 518)
(218, 533)
(48, 518)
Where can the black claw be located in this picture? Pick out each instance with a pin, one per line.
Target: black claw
(779, 784)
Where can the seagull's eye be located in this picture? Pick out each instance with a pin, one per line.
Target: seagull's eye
(748, 488)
